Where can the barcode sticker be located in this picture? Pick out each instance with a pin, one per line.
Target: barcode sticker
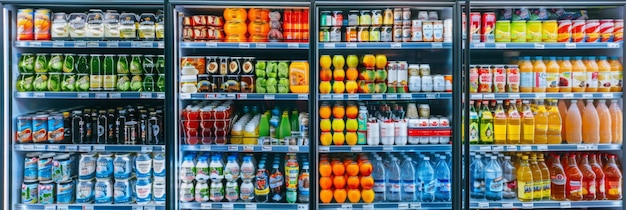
(568, 95)
(607, 95)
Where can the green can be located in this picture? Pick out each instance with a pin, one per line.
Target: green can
(26, 63)
(25, 82)
(69, 82)
(160, 64)
(148, 64)
(41, 63)
(503, 31)
(518, 31)
(55, 64)
(69, 63)
(534, 32)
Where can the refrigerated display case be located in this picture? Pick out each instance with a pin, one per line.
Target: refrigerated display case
(539, 133)
(83, 83)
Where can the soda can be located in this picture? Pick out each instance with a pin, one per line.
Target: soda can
(521, 14)
(42, 24)
(578, 31)
(518, 31)
(503, 31)
(564, 30)
(475, 26)
(533, 31)
(427, 31)
(24, 132)
(432, 15)
(618, 30)
(592, 31)
(487, 28)
(606, 30)
(550, 31)
(25, 24)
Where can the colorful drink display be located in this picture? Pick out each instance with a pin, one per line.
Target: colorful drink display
(388, 25)
(100, 178)
(221, 123)
(377, 75)
(45, 25)
(249, 25)
(243, 75)
(385, 177)
(216, 177)
(69, 72)
(549, 74)
(381, 124)
(547, 121)
(121, 125)
(537, 176)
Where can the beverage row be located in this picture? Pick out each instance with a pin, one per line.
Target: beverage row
(515, 122)
(284, 182)
(121, 125)
(536, 176)
(43, 24)
(95, 64)
(254, 25)
(549, 74)
(387, 17)
(388, 177)
(382, 123)
(71, 82)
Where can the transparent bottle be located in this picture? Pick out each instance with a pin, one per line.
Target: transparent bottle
(409, 192)
(426, 181)
(442, 192)
(394, 186)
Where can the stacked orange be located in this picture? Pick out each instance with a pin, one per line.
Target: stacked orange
(374, 70)
(343, 126)
(346, 180)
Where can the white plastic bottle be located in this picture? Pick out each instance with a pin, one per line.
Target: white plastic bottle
(202, 169)
(232, 172)
(187, 169)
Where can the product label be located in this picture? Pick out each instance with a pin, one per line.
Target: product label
(541, 80)
(485, 80)
(473, 80)
(486, 132)
(589, 188)
(408, 186)
(616, 79)
(592, 79)
(394, 186)
(575, 188)
(429, 187)
(379, 186)
(558, 179)
(615, 187)
(552, 80)
(525, 190)
(473, 131)
(513, 80)
(499, 80)
(495, 185)
(444, 185)
(604, 79)
(527, 80)
(601, 186)
(565, 79)
(546, 188)
(509, 188)
(579, 80)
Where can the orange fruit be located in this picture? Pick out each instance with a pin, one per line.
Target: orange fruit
(339, 75)
(339, 138)
(352, 169)
(365, 168)
(352, 74)
(354, 195)
(340, 195)
(351, 138)
(325, 168)
(326, 183)
(352, 87)
(353, 182)
(368, 195)
(339, 182)
(352, 111)
(338, 169)
(367, 182)
(326, 196)
(325, 111)
(339, 111)
(326, 138)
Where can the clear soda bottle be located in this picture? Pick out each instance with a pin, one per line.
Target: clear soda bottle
(509, 175)
(426, 181)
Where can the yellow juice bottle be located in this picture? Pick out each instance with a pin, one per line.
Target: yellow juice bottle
(528, 125)
(545, 176)
(553, 75)
(565, 71)
(525, 185)
(499, 125)
(527, 79)
(537, 178)
(579, 75)
(539, 71)
(617, 74)
(541, 124)
(555, 123)
(513, 126)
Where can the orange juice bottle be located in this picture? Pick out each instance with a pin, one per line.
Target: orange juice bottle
(592, 74)
(513, 126)
(499, 124)
(573, 125)
(527, 79)
(565, 70)
(616, 122)
(605, 122)
(537, 178)
(563, 111)
(539, 71)
(604, 74)
(553, 75)
(554, 123)
(579, 75)
(528, 125)
(591, 130)
(617, 73)
(541, 124)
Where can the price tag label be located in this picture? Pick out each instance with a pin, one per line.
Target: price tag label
(479, 45)
(329, 46)
(84, 148)
(377, 97)
(70, 148)
(507, 205)
(542, 147)
(356, 149)
(251, 206)
(29, 147)
(205, 147)
(161, 95)
(266, 148)
(351, 45)
(294, 149)
(101, 95)
(147, 44)
(484, 148)
(432, 96)
(346, 206)
(146, 149)
(324, 149)
(82, 95)
(406, 96)
(581, 147)
(135, 44)
(526, 148)
(403, 206)
(566, 205)
(35, 44)
(19, 147)
(437, 45)
(489, 96)
(483, 205)
(87, 207)
(63, 207)
(99, 148)
(511, 148)
(53, 147)
(500, 45)
(387, 148)
(50, 207)
(368, 206)
(568, 95)
(231, 96)
(161, 44)
(303, 97)
(353, 97)
(497, 148)
(233, 148)
(325, 97)
(540, 96)
(22, 95)
(293, 45)
(210, 45)
(145, 95)
(607, 95)
(592, 147)
(228, 206)
(392, 97)
(269, 97)
(570, 45)
(476, 96)
(115, 95)
(612, 45)
(40, 147)
(396, 45)
(540, 46)
(248, 148)
(39, 95)
(337, 96)
(93, 44)
(514, 96)
(527, 205)
(210, 96)
(242, 96)
(137, 208)
(415, 205)
(58, 44)
(303, 207)
(587, 95)
(244, 45)
(149, 208)
(185, 96)
(261, 45)
(206, 206)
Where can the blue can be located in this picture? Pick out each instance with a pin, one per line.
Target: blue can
(24, 132)
(123, 191)
(46, 192)
(158, 165)
(65, 192)
(103, 191)
(85, 191)
(30, 192)
(62, 168)
(87, 166)
(56, 129)
(31, 166)
(122, 166)
(143, 165)
(104, 165)
(44, 164)
(143, 190)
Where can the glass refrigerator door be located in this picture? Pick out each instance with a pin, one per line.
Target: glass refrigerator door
(242, 98)
(545, 91)
(84, 105)
(384, 101)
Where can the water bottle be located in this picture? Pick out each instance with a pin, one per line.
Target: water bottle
(426, 181)
(379, 174)
(477, 178)
(442, 193)
(509, 180)
(393, 181)
(408, 181)
(493, 179)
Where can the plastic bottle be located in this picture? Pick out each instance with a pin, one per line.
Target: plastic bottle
(284, 129)
(539, 73)
(232, 170)
(379, 176)
(493, 180)
(528, 125)
(486, 124)
(592, 74)
(409, 190)
(537, 179)
(553, 75)
(202, 192)
(187, 169)
(513, 126)
(613, 179)
(247, 169)
(232, 191)
(617, 74)
(541, 123)
(527, 78)
(616, 122)
(295, 125)
(216, 169)
(442, 193)
(525, 185)
(499, 124)
(277, 182)
(394, 186)
(304, 184)
(591, 128)
(600, 177)
(202, 169)
(264, 125)
(477, 178)
(509, 179)
(474, 129)
(573, 125)
(261, 184)
(604, 74)
(246, 191)
(565, 69)
(589, 179)
(604, 115)
(554, 123)
(579, 75)
(545, 177)
(426, 181)
(574, 190)
(563, 112)
(558, 179)
(581, 107)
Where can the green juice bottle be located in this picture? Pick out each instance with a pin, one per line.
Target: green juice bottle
(486, 124)
(284, 128)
